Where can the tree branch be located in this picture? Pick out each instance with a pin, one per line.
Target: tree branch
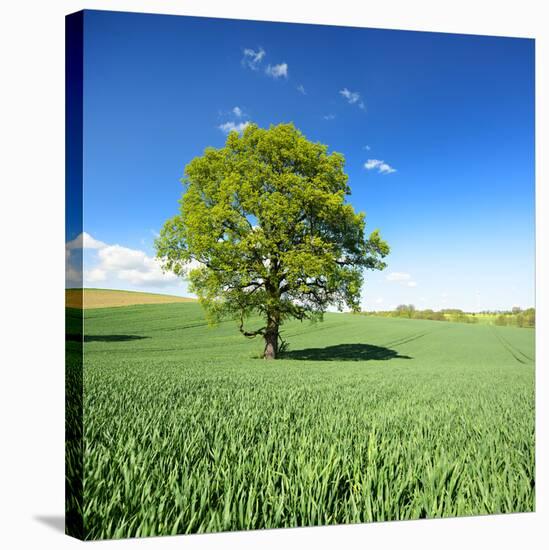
(248, 333)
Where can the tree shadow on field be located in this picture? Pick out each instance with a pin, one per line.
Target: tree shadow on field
(104, 337)
(345, 352)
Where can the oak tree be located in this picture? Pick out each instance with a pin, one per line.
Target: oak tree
(264, 230)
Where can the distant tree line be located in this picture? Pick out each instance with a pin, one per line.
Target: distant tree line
(523, 318)
(516, 317)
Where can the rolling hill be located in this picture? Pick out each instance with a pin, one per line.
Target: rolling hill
(91, 298)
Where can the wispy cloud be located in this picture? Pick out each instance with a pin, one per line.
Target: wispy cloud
(381, 166)
(277, 71)
(253, 58)
(301, 89)
(366, 147)
(237, 112)
(329, 117)
(398, 276)
(229, 126)
(353, 98)
(402, 278)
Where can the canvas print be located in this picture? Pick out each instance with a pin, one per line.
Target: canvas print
(299, 275)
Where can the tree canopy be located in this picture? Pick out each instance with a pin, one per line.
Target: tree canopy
(264, 229)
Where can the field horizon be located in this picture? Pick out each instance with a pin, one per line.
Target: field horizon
(91, 297)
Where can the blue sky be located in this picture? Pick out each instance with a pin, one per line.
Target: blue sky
(437, 131)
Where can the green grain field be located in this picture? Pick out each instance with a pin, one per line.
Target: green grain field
(365, 419)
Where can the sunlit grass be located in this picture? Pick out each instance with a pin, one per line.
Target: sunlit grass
(367, 419)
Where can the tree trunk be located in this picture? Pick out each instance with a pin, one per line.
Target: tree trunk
(271, 342)
(273, 322)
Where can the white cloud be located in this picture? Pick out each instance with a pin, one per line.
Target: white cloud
(153, 276)
(301, 89)
(96, 275)
(353, 98)
(372, 163)
(367, 147)
(115, 257)
(329, 117)
(252, 58)
(381, 166)
(227, 127)
(193, 264)
(238, 112)
(123, 264)
(386, 169)
(116, 266)
(84, 240)
(277, 71)
(398, 276)
(73, 257)
(404, 279)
